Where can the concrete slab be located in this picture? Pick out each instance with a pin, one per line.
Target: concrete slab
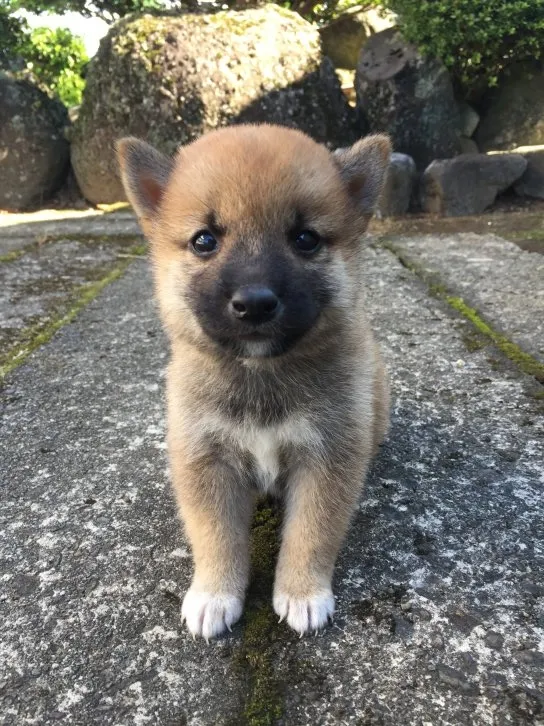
(440, 617)
(17, 231)
(43, 284)
(502, 282)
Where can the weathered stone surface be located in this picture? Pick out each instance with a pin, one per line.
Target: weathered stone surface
(33, 151)
(409, 97)
(469, 183)
(468, 146)
(399, 185)
(43, 282)
(514, 114)
(502, 282)
(442, 552)
(469, 119)
(343, 38)
(170, 79)
(531, 184)
(20, 230)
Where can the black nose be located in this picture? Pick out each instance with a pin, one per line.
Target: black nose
(254, 304)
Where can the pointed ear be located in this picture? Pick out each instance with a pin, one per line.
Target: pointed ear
(363, 167)
(144, 173)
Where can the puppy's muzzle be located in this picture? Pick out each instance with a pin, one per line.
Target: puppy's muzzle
(254, 304)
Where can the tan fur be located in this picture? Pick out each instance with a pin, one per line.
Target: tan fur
(304, 424)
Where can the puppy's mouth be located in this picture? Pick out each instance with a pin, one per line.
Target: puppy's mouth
(262, 342)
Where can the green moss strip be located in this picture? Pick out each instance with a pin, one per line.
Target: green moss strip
(254, 659)
(42, 332)
(13, 255)
(524, 361)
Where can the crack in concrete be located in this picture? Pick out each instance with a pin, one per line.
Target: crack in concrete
(41, 332)
(525, 362)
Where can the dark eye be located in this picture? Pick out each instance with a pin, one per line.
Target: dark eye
(204, 244)
(307, 242)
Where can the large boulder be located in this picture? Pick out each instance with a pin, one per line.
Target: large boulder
(343, 38)
(170, 79)
(409, 97)
(34, 154)
(469, 183)
(531, 184)
(514, 114)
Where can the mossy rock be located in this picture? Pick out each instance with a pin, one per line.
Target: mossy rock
(169, 79)
(408, 96)
(34, 154)
(514, 110)
(344, 36)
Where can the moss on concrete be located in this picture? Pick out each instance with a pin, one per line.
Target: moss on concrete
(254, 661)
(13, 255)
(524, 361)
(513, 352)
(42, 330)
(41, 333)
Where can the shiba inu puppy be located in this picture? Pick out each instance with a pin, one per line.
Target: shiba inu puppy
(275, 382)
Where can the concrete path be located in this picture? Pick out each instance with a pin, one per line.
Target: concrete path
(440, 585)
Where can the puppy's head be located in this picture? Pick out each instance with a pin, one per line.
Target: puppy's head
(255, 233)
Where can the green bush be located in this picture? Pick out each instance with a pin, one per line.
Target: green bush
(12, 34)
(476, 39)
(54, 60)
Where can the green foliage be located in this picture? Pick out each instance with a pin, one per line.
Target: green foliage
(12, 35)
(54, 60)
(476, 39)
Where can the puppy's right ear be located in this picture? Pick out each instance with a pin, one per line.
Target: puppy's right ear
(144, 173)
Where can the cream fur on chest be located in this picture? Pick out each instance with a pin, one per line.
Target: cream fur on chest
(264, 443)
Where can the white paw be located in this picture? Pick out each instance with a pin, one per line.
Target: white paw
(305, 614)
(210, 615)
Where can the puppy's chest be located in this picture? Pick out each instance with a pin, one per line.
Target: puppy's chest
(270, 449)
(264, 446)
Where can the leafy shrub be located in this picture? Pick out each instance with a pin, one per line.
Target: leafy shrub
(12, 34)
(54, 60)
(477, 39)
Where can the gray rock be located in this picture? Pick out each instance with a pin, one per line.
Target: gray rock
(494, 640)
(452, 677)
(531, 183)
(399, 185)
(468, 146)
(515, 111)
(33, 151)
(170, 79)
(409, 97)
(470, 119)
(343, 38)
(469, 183)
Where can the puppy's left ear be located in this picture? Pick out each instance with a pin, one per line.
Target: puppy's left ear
(363, 167)
(144, 173)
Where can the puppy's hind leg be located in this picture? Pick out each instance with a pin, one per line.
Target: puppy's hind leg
(216, 508)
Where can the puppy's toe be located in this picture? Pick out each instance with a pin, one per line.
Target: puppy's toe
(208, 614)
(305, 614)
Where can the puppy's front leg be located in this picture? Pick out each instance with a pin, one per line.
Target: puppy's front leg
(319, 506)
(216, 507)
